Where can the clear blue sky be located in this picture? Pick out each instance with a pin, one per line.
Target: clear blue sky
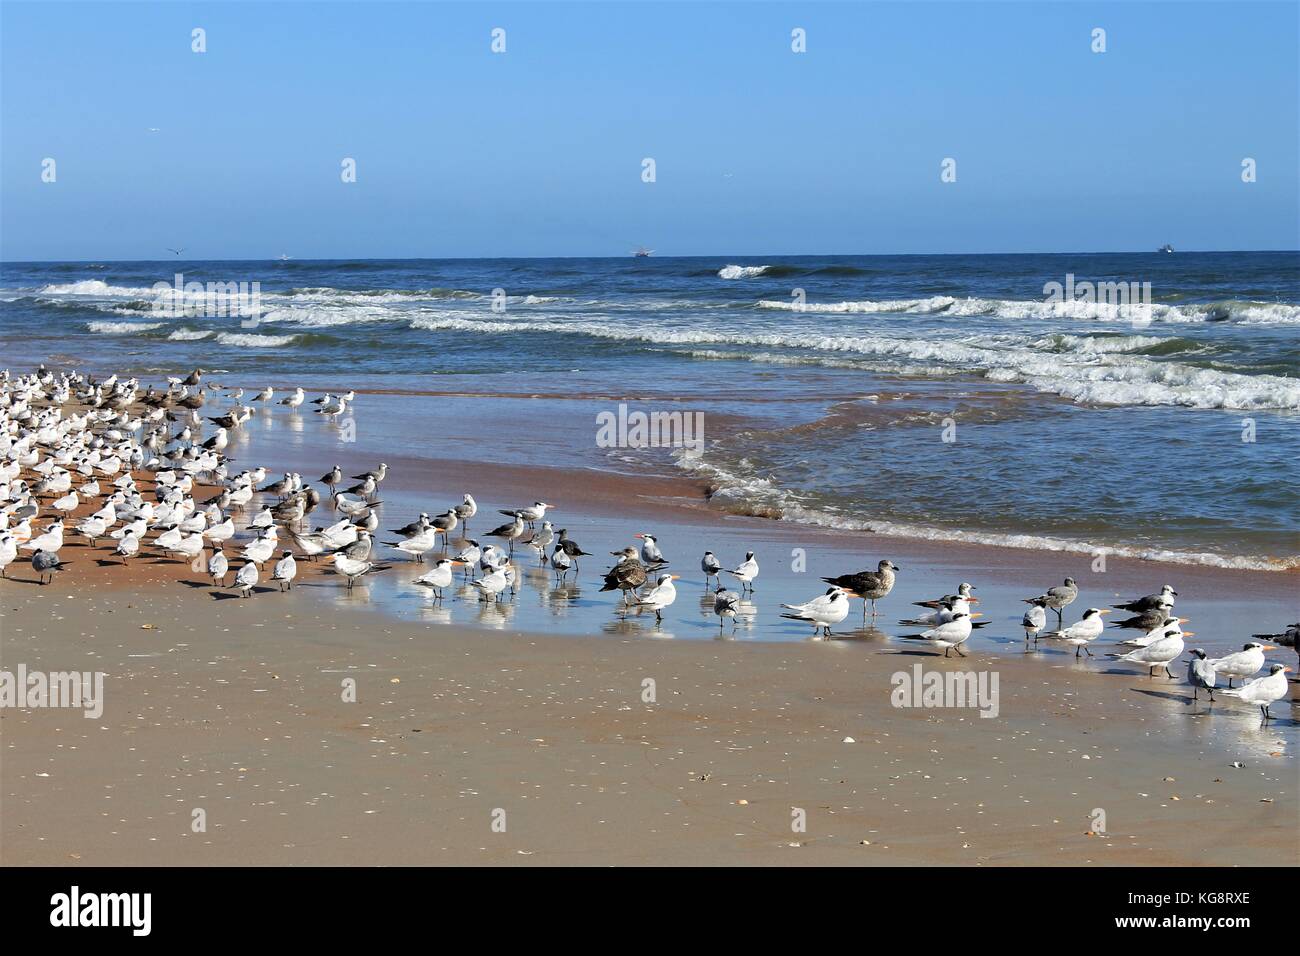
(538, 152)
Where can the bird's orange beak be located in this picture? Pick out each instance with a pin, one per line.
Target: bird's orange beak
(1269, 647)
(1189, 633)
(1105, 610)
(676, 577)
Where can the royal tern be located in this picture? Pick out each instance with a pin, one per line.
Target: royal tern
(1263, 691)
(353, 570)
(1157, 654)
(663, 594)
(439, 576)
(1288, 638)
(950, 636)
(822, 611)
(416, 545)
(1243, 663)
(1082, 632)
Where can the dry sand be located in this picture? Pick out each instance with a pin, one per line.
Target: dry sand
(241, 714)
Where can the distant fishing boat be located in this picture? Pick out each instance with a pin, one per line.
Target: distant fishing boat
(283, 257)
(643, 253)
(1165, 248)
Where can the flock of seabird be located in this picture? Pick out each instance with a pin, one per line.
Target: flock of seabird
(54, 426)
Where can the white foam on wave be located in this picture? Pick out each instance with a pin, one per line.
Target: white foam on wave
(255, 341)
(122, 328)
(190, 335)
(741, 272)
(1252, 313)
(1099, 377)
(767, 497)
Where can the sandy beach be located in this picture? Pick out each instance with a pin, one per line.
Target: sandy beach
(526, 733)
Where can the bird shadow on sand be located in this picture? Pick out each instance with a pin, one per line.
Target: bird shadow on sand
(1184, 698)
(231, 594)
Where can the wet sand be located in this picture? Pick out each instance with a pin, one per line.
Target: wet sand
(535, 707)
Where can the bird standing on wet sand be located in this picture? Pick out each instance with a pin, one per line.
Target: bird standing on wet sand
(726, 604)
(128, 546)
(332, 478)
(1243, 663)
(511, 531)
(1157, 654)
(712, 568)
(1035, 619)
(218, 566)
(950, 636)
(46, 563)
(439, 576)
(663, 594)
(246, 579)
(1288, 638)
(868, 585)
(560, 562)
(650, 552)
(531, 514)
(1082, 632)
(1058, 598)
(466, 510)
(571, 548)
(1164, 599)
(353, 570)
(1263, 690)
(285, 570)
(627, 575)
(745, 572)
(1200, 674)
(822, 611)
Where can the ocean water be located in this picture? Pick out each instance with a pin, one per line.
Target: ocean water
(939, 396)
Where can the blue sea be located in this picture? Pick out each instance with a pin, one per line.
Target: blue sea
(945, 397)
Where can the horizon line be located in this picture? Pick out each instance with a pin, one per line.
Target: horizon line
(629, 255)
